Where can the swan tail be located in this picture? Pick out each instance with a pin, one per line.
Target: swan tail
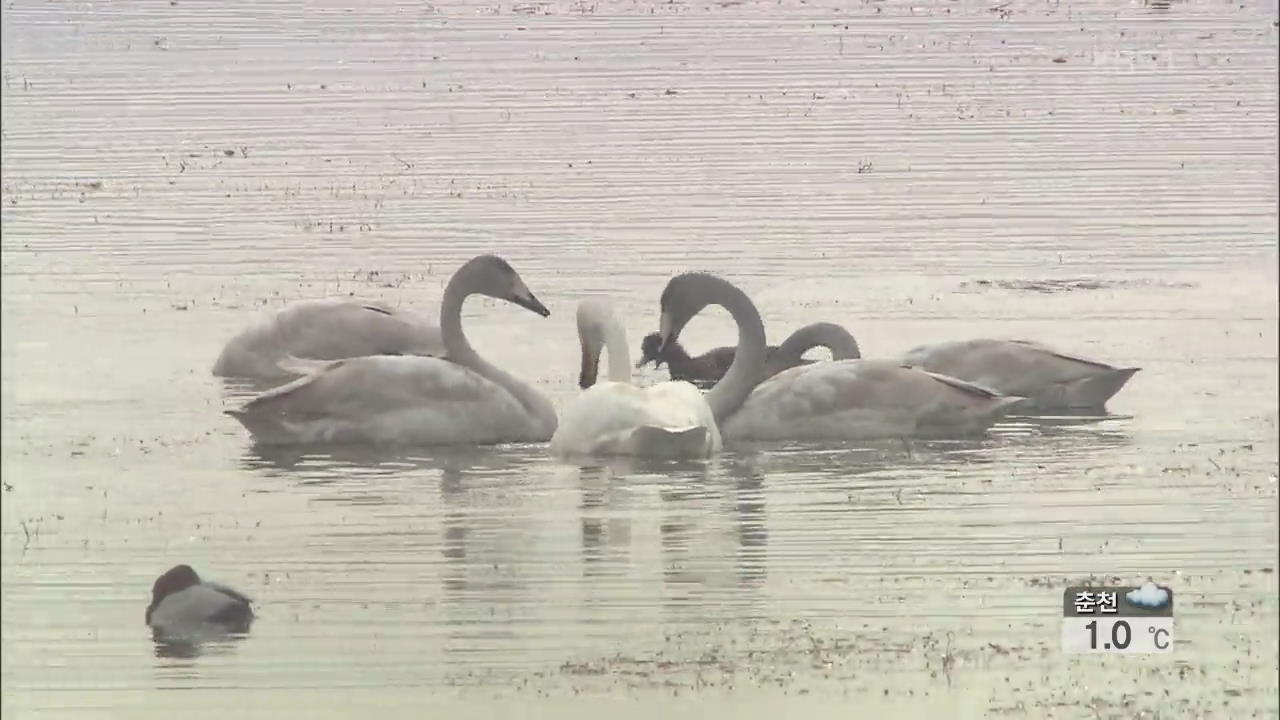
(1097, 390)
(265, 428)
(1006, 405)
(660, 442)
(1087, 393)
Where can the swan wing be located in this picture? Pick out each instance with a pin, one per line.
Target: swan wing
(327, 330)
(863, 399)
(335, 329)
(303, 366)
(1059, 354)
(388, 399)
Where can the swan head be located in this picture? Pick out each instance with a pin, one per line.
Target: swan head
(594, 318)
(684, 297)
(491, 275)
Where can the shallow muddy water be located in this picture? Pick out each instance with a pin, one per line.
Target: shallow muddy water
(1097, 176)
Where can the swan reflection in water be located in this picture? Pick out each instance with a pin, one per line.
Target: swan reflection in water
(701, 504)
(501, 540)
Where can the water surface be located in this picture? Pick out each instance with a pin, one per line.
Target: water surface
(1101, 177)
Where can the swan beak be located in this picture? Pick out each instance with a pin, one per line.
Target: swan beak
(665, 333)
(590, 367)
(526, 300)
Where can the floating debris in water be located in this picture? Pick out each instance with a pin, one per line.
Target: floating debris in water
(1067, 284)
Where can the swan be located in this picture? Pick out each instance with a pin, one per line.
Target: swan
(838, 400)
(711, 366)
(667, 420)
(325, 329)
(411, 399)
(1049, 379)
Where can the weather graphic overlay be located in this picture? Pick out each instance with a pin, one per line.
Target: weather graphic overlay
(1117, 620)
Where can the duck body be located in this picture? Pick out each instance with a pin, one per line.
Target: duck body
(182, 603)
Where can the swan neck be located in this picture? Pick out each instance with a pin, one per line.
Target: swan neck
(833, 337)
(615, 346)
(458, 350)
(456, 345)
(749, 358)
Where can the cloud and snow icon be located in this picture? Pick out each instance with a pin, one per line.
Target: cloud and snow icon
(1149, 595)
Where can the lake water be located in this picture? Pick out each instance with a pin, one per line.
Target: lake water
(1099, 176)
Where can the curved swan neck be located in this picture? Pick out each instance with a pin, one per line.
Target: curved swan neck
(615, 346)
(748, 360)
(458, 349)
(456, 346)
(829, 335)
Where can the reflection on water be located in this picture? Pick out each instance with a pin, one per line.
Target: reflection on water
(317, 462)
(189, 647)
(606, 531)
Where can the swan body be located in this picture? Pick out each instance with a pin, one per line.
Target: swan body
(864, 400)
(710, 366)
(392, 400)
(842, 400)
(325, 329)
(618, 418)
(1049, 379)
(667, 420)
(411, 399)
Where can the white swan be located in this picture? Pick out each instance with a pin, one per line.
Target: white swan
(409, 399)
(667, 420)
(1049, 379)
(838, 400)
(327, 329)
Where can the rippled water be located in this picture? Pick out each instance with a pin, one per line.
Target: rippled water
(1095, 175)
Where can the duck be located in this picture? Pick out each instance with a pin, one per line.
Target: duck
(852, 399)
(324, 329)
(413, 399)
(704, 370)
(1048, 378)
(182, 603)
(669, 420)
